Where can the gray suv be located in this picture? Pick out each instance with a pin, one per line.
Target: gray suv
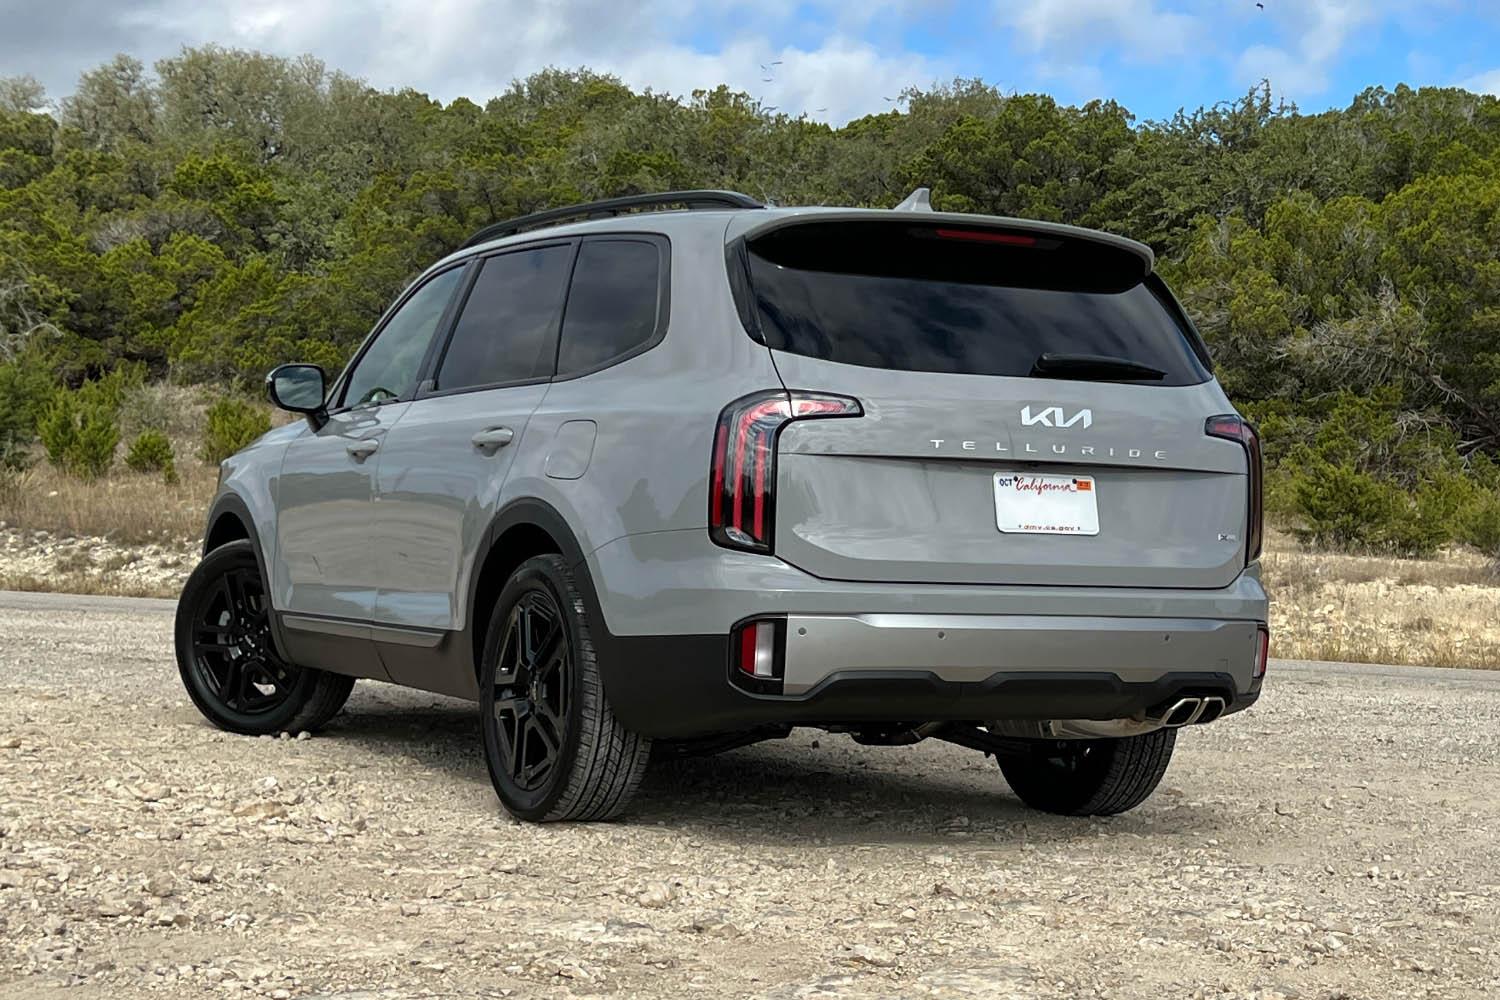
(676, 473)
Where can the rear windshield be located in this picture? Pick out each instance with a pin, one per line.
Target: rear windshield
(959, 300)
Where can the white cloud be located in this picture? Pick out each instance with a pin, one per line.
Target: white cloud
(1484, 83)
(475, 48)
(1141, 30)
(840, 79)
(1317, 33)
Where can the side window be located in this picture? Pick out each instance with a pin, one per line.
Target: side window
(507, 331)
(612, 305)
(388, 369)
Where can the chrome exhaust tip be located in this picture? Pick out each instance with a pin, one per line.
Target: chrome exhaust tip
(1213, 707)
(1184, 712)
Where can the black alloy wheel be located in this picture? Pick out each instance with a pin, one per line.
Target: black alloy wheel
(554, 749)
(232, 649)
(532, 691)
(227, 655)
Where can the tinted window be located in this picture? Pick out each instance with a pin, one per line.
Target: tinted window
(612, 306)
(507, 331)
(388, 369)
(922, 298)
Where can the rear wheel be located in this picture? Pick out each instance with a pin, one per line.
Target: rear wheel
(1098, 777)
(555, 750)
(228, 662)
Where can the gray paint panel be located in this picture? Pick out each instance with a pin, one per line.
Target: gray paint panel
(680, 583)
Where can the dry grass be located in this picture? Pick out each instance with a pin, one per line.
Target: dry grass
(86, 582)
(125, 507)
(1442, 612)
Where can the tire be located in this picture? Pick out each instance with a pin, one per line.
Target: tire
(228, 662)
(1099, 777)
(554, 749)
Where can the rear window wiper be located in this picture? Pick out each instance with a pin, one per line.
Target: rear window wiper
(1093, 367)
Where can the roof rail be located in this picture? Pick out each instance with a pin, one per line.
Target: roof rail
(691, 200)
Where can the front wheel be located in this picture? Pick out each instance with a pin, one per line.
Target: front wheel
(226, 658)
(1099, 777)
(554, 748)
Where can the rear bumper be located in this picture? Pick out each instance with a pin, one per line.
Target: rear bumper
(865, 652)
(670, 687)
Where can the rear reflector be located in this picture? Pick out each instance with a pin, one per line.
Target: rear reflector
(1233, 427)
(1262, 651)
(742, 471)
(759, 654)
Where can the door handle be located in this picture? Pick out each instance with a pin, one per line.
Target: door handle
(493, 437)
(361, 450)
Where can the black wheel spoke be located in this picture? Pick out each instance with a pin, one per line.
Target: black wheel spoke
(518, 750)
(229, 688)
(550, 650)
(548, 736)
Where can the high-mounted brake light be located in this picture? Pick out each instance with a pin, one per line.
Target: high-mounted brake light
(987, 236)
(742, 473)
(1233, 427)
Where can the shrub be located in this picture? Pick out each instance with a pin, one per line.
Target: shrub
(232, 424)
(1341, 507)
(1479, 523)
(152, 452)
(23, 393)
(58, 428)
(80, 437)
(152, 406)
(98, 434)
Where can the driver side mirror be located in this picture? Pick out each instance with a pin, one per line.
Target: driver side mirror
(300, 389)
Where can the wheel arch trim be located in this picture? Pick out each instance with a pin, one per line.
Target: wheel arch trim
(230, 504)
(540, 514)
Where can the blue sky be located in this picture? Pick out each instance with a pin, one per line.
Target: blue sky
(830, 59)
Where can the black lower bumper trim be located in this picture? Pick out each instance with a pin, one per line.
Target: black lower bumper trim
(675, 687)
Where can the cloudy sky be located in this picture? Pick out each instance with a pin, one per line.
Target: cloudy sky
(831, 59)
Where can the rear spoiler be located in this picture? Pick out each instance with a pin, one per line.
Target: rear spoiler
(750, 225)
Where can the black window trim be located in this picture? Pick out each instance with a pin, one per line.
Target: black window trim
(341, 384)
(663, 301)
(426, 384)
(1169, 299)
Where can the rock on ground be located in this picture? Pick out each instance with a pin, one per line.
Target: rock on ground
(1339, 840)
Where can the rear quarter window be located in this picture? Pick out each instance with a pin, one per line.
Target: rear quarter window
(616, 303)
(961, 300)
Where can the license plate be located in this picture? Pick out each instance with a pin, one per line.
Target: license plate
(1046, 505)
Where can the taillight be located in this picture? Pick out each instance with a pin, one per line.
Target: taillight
(742, 473)
(1233, 427)
(1262, 651)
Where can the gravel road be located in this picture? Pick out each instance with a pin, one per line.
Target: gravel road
(1340, 840)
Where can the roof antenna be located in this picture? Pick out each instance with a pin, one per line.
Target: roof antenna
(919, 200)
